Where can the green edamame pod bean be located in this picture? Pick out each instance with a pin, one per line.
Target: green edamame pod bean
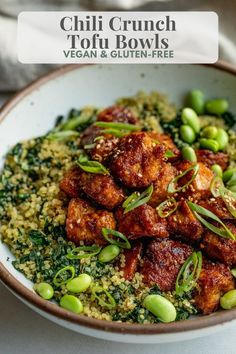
(45, 290)
(187, 134)
(228, 174)
(217, 170)
(188, 153)
(79, 284)
(228, 300)
(218, 106)
(71, 303)
(189, 117)
(209, 132)
(196, 101)
(209, 144)
(108, 253)
(222, 138)
(160, 307)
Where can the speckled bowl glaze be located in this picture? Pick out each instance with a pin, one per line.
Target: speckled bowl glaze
(32, 112)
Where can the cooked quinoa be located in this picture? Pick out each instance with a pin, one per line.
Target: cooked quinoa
(33, 214)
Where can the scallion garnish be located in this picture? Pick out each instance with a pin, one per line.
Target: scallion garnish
(62, 135)
(189, 274)
(89, 146)
(136, 199)
(169, 154)
(83, 252)
(118, 126)
(91, 166)
(100, 293)
(61, 277)
(197, 209)
(167, 207)
(172, 185)
(115, 132)
(216, 186)
(122, 244)
(75, 122)
(218, 190)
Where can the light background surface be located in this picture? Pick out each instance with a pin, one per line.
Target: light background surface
(22, 331)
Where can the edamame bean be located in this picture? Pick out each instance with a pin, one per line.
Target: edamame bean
(187, 134)
(228, 300)
(190, 118)
(79, 284)
(159, 306)
(209, 144)
(71, 303)
(218, 106)
(222, 138)
(196, 101)
(188, 153)
(45, 290)
(108, 253)
(228, 174)
(217, 170)
(209, 132)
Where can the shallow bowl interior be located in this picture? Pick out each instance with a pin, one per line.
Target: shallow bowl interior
(32, 113)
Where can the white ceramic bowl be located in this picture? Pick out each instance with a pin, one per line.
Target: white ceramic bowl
(32, 112)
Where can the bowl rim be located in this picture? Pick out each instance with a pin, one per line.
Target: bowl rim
(34, 300)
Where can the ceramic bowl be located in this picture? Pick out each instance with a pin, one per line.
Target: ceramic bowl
(32, 112)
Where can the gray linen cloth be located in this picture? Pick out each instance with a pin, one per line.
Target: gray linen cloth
(14, 75)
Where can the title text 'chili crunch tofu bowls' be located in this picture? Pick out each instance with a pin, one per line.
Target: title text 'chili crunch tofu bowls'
(32, 112)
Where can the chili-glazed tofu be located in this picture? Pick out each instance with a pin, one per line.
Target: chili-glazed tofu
(117, 114)
(131, 260)
(162, 262)
(100, 188)
(137, 160)
(184, 225)
(215, 280)
(140, 222)
(85, 223)
(209, 158)
(219, 248)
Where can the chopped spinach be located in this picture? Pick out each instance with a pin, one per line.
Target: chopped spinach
(38, 237)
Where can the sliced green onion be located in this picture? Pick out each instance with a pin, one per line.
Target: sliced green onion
(169, 154)
(136, 199)
(74, 122)
(91, 166)
(218, 190)
(89, 146)
(117, 133)
(216, 185)
(167, 207)
(62, 135)
(189, 274)
(58, 278)
(83, 252)
(118, 126)
(197, 209)
(106, 232)
(98, 291)
(229, 198)
(172, 185)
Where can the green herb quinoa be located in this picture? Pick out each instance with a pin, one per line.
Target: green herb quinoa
(33, 212)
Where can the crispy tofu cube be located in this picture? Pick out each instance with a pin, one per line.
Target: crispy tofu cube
(137, 160)
(132, 258)
(140, 222)
(162, 262)
(85, 223)
(209, 158)
(100, 188)
(215, 280)
(165, 176)
(219, 248)
(184, 225)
